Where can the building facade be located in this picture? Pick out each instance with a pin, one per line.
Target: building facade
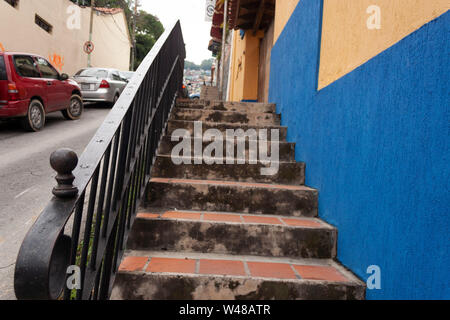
(363, 87)
(58, 30)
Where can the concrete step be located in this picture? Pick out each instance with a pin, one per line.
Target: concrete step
(207, 195)
(231, 233)
(253, 107)
(286, 149)
(160, 275)
(289, 173)
(226, 116)
(223, 127)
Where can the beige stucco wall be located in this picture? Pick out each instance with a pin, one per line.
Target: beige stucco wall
(283, 11)
(64, 47)
(111, 40)
(347, 42)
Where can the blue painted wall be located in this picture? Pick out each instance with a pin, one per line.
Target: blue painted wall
(376, 145)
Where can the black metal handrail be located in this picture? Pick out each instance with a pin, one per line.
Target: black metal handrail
(111, 176)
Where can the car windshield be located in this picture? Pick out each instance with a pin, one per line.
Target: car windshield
(2, 69)
(98, 73)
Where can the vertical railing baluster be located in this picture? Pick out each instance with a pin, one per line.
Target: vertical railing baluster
(111, 183)
(96, 284)
(75, 237)
(120, 231)
(99, 215)
(107, 263)
(132, 135)
(123, 154)
(88, 229)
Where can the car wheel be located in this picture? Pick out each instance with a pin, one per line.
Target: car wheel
(75, 109)
(35, 119)
(116, 97)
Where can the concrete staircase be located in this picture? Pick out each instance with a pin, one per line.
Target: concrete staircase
(224, 231)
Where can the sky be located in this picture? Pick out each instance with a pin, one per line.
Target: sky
(191, 13)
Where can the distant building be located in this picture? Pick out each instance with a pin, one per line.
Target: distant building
(58, 30)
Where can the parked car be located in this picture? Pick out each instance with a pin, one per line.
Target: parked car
(184, 92)
(194, 96)
(127, 75)
(100, 84)
(30, 88)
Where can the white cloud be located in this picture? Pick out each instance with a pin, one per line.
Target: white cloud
(191, 13)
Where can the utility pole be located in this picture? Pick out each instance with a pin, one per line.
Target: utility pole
(90, 30)
(133, 31)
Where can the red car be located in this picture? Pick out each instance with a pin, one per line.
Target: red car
(30, 88)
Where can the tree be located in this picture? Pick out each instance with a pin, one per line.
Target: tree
(148, 30)
(191, 65)
(149, 24)
(207, 64)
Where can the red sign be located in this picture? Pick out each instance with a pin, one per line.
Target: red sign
(88, 47)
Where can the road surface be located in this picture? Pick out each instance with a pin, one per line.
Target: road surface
(26, 178)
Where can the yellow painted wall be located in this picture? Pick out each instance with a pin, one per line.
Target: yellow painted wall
(347, 42)
(245, 55)
(283, 11)
(236, 78)
(244, 67)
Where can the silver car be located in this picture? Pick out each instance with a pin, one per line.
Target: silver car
(127, 75)
(100, 84)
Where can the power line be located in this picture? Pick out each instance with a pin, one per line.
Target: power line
(127, 39)
(118, 27)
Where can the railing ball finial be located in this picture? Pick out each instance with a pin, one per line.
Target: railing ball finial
(64, 161)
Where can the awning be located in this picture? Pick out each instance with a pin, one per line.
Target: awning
(242, 14)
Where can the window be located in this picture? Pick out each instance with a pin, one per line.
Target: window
(14, 3)
(116, 77)
(43, 24)
(26, 67)
(47, 71)
(127, 75)
(2, 69)
(98, 73)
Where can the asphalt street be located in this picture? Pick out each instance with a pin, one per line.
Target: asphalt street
(26, 178)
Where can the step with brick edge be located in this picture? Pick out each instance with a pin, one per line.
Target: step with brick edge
(192, 276)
